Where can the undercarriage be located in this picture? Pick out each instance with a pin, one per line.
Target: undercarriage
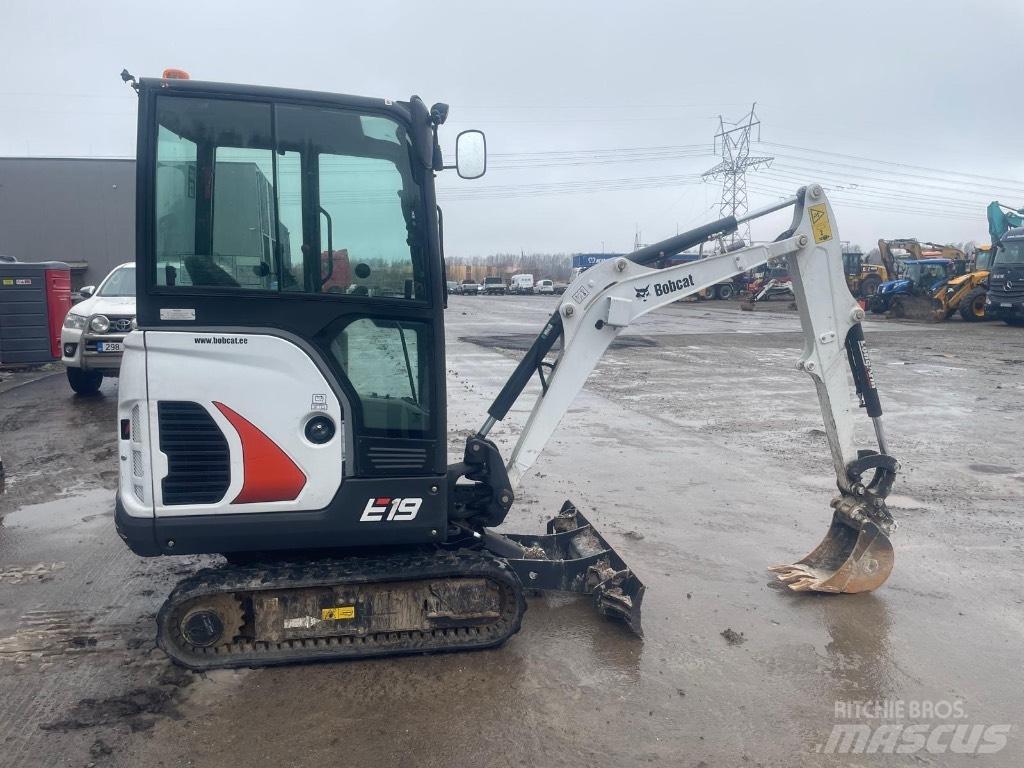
(463, 596)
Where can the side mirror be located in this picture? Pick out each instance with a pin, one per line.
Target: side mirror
(471, 154)
(86, 291)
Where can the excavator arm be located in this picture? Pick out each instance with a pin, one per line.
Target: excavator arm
(605, 300)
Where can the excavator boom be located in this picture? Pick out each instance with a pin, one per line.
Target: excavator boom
(608, 298)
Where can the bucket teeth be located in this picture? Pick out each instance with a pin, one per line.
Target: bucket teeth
(799, 578)
(853, 557)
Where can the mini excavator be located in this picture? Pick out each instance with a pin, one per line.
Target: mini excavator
(283, 401)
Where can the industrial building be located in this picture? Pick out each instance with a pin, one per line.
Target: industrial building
(77, 210)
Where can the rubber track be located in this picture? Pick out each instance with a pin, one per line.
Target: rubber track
(400, 566)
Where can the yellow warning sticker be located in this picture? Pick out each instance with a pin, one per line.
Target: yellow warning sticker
(338, 613)
(8, 281)
(820, 225)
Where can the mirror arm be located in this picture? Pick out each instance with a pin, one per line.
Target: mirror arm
(438, 158)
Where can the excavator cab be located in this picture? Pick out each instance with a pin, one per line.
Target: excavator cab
(252, 203)
(852, 261)
(862, 277)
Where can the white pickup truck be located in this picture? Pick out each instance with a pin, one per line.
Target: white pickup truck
(92, 338)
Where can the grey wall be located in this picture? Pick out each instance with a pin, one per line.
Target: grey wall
(74, 210)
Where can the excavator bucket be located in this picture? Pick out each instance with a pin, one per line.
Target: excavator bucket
(849, 559)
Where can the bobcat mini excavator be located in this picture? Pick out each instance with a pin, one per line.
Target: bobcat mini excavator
(302, 432)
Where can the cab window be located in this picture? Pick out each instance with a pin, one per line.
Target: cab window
(214, 199)
(260, 197)
(386, 362)
(350, 205)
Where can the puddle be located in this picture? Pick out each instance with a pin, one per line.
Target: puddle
(61, 513)
(992, 469)
(905, 502)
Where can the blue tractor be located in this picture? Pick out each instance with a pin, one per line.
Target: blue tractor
(913, 292)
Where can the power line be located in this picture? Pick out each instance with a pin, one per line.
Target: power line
(607, 107)
(594, 160)
(839, 201)
(867, 189)
(602, 150)
(890, 162)
(565, 188)
(880, 174)
(875, 198)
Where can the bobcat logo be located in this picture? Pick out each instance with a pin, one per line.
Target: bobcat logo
(643, 293)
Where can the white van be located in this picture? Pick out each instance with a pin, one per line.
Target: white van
(521, 284)
(545, 286)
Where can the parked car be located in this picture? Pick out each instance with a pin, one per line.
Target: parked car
(494, 286)
(92, 338)
(560, 288)
(453, 286)
(521, 284)
(470, 288)
(545, 286)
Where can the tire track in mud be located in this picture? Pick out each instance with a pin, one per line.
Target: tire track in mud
(79, 669)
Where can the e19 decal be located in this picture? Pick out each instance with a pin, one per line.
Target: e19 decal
(385, 508)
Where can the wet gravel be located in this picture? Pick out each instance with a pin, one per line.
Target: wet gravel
(698, 452)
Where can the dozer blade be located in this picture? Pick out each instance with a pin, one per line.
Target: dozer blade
(851, 558)
(917, 308)
(574, 557)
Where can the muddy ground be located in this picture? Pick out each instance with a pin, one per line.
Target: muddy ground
(697, 450)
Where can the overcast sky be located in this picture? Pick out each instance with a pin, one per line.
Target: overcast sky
(851, 94)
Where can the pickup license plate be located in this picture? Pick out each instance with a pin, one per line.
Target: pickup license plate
(109, 346)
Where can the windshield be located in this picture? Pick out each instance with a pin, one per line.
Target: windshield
(925, 273)
(278, 197)
(120, 282)
(1011, 253)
